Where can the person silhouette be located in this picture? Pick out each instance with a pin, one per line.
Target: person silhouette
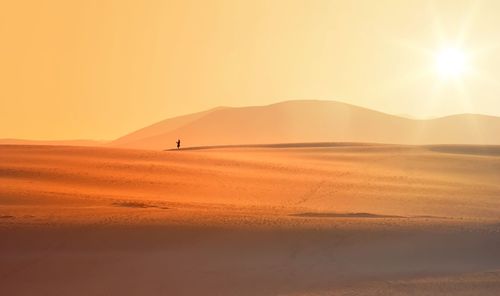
(178, 144)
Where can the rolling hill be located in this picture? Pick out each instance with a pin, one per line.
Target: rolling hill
(51, 143)
(310, 121)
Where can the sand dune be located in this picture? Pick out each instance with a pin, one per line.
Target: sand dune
(306, 121)
(379, 179)
(311, 121)
(167, 125)
(342, 219)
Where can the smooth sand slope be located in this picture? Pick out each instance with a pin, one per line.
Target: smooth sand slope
(315, 219)
(162, 127)
(310, 121)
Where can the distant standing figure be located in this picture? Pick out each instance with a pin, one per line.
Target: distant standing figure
(178, 144)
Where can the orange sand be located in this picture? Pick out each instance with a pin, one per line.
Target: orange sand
(350, 219)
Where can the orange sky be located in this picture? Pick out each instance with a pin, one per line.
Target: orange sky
(100, 69)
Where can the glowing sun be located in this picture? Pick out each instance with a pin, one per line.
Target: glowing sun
(451, 62)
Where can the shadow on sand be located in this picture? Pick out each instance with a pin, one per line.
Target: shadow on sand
(483, 150)
(344, 215)
(358, 215)
(134, 204)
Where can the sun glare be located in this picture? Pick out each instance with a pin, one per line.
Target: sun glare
(451, 62)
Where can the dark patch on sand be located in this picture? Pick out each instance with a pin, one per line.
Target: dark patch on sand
(483, 150)
(283, 145)
(7, 217)
(429, 217)
(344, 215)
(359, 215)
(139, 205)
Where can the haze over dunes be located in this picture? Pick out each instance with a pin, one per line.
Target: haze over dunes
(311, 121)
(305, 121)
(82, 69)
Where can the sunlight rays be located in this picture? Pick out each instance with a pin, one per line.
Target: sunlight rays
(450, 66)
(450, 61)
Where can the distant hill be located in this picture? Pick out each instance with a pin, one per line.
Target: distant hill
(161, 127)
(310, 121)
(58, 143)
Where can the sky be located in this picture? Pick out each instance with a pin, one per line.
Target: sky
(86, 69)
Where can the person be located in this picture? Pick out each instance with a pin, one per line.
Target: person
(178, 144)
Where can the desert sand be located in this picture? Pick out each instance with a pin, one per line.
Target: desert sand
(303, 219)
